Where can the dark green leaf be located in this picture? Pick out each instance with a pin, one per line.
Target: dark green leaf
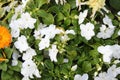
(115, 4)
(46, 17)
(8, 52)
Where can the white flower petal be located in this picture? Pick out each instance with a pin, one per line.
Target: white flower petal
(53, 53)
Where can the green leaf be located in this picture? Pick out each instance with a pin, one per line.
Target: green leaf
(115, 4)
(46, 17)
(17, 67)
(115, 35)
(3, 66)
(72, 3)
(2, 12)
(64, 69)
(59, 17)
(49, 64)
(67, 21)
(7, 75)
(72, 53)
(8, 52)
(95, 61)
(54, 9)
(66, 10)
(39, 3)
(66, 7)
(94, 53)
(115, 22)
(86, 66)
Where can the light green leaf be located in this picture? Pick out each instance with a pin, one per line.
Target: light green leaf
(3, 66)
(86, 66)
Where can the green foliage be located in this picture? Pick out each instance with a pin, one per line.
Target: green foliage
(47, 18)
(115, 4)
(77, 50)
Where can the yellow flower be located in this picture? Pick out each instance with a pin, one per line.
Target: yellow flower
(5, 37)
(96, 5)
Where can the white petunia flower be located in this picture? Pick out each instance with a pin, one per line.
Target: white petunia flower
(113, 71)
(74, 68)
(65, 37)
(37, 33)
(44, 43)
(15, 57)
(107, 52)
(107, 20)
(78, 3)
(116, 51)
(25, 78)
(14, 62)
(53, 53)
(29, 69)
(105, 32)
(104, 76)
(87, 30)
(50, 31)
(29, 54)
(79, 77)
(19, 10)
(15, 31)
(82, 16)
(70, 32)
(21, 43)
(27, 21)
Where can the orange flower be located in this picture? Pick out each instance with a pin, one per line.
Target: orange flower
(5, 37)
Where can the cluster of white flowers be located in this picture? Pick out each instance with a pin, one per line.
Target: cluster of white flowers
(111, 74)
(109, 51)
(29, 68)
(107, 29)
(26, 21)
(87, 30)
(45, 34)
